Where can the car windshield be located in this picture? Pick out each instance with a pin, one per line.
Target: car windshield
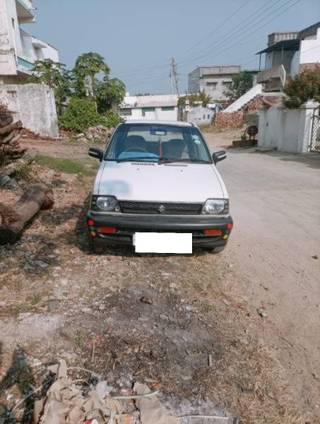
(157, 143)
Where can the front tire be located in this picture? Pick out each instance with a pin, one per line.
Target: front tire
(94, 246)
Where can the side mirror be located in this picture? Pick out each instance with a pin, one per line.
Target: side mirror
(96, 153)
(219, 156)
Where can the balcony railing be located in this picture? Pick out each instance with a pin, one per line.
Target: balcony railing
(24, 65)
(275, 77)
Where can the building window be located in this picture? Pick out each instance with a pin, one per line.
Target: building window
(126, 112)
(227, 84)
(167, 108)
(147, 109)
(13, 23)
(12, 93)
(212, 84)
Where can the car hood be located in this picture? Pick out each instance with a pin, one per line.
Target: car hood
(159, 183)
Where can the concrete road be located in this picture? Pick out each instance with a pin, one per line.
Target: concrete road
(275, 252)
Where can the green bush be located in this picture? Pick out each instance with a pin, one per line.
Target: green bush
(80, 115)
(113, 119)
(304, 87)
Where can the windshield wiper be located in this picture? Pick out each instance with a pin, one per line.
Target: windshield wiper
(141, 158)
(167, 160)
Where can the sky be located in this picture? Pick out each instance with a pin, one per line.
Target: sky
(138, 38)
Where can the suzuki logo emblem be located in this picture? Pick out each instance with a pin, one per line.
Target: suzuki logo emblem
(162, 209)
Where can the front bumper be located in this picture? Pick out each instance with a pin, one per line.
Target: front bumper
(126, 225)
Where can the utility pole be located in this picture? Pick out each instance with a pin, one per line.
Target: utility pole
(174, 80)
(171, 80)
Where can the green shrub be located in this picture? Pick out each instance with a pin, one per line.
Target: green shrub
(113, 119)
(80, 115)
(304, 87)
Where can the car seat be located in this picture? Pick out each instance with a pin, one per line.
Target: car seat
(173, 149)
(131, 142)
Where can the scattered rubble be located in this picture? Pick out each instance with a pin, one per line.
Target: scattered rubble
(75, 395)
(262, 312)
(98, 134)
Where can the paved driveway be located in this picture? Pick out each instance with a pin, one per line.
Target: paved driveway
(275, 252)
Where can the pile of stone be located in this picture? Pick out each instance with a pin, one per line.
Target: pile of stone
(98, 134)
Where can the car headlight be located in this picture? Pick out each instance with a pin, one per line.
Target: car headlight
(105, 203)
(216, 207)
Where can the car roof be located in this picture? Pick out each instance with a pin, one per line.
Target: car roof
(149, 122)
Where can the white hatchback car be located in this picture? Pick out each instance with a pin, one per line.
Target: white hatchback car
(158, 188)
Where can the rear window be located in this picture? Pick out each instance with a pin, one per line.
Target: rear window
(154, 142)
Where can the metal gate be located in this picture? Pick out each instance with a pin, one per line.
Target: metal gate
(314, 145)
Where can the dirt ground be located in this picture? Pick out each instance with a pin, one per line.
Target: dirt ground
(235, 333)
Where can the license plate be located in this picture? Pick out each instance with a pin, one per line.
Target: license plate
(163, 243)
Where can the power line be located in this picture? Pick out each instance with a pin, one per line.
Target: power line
(227, 19)
(235, 32)
(221, 25)
(246, 33)
(232, 34)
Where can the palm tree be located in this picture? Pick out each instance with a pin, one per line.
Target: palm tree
(205, 98)
(87, 66)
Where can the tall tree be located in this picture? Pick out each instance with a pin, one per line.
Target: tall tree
(110, 93)
(86, 69)
(241, 83)
(195, 99)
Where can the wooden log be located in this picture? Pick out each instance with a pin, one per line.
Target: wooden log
(13, 167)
(8, 128)
(11, 137)
(14, 219)
(7, 151)
(5, 119)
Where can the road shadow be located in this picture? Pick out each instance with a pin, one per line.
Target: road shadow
(20, 375)
(311, 159)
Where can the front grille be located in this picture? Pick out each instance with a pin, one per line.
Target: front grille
(160, 208)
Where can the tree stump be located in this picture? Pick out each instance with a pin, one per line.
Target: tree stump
(14, 219)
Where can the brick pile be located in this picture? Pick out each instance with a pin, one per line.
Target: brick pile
(231, 120)
(234, 120)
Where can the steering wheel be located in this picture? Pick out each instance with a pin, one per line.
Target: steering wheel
(135, 149)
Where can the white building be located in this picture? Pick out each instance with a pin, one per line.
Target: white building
(214, 80)
(198, 114)
(153, 107)
(309, 51)
(33, 104)
(287, 54)
(19, 50)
